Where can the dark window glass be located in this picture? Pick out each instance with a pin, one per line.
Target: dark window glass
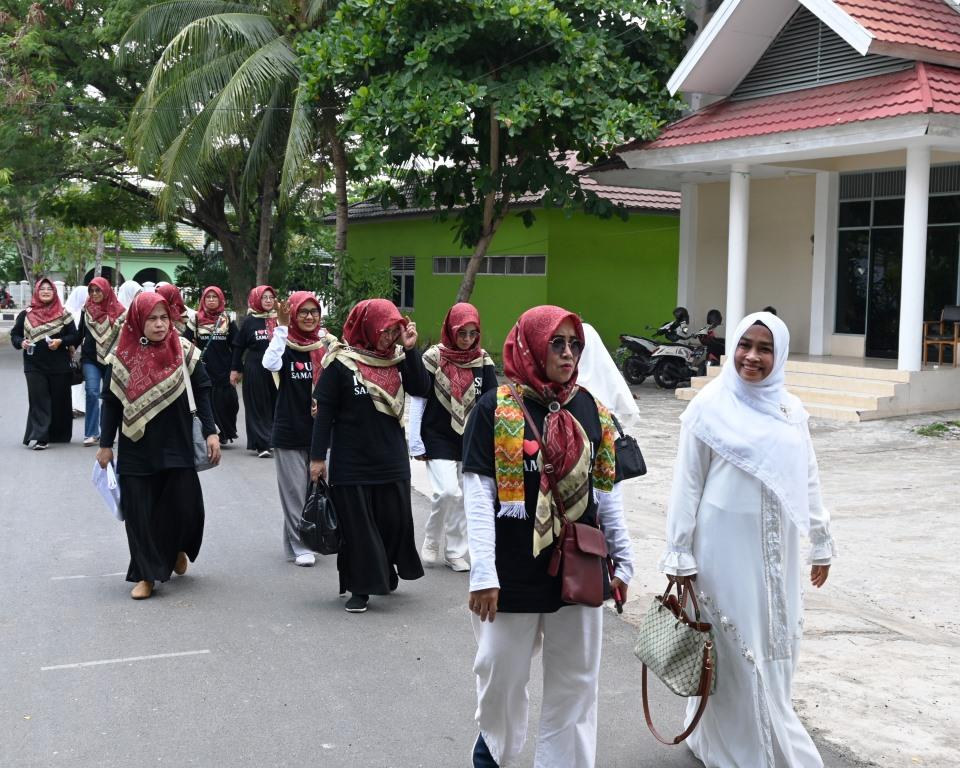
(944, 209)
(853, 249)
(856, 214)
(536, 265)
(943, 250)
(397, 296)
(888, 213)
(886, 276)
(515, 266)
(438, 265)
(498, 265)
(408, 292)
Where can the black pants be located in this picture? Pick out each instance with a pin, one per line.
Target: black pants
(259, 402)
(163, 515)
(50, 416)
(226, 404)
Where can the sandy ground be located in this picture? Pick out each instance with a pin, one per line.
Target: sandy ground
(879, 673)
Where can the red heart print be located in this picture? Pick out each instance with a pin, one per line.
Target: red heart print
(530, 447)
(299, 366)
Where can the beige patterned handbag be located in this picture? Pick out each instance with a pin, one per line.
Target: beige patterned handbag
(678, 650)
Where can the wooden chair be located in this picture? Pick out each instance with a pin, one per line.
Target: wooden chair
(941, 333)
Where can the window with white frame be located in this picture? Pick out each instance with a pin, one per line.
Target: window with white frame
(402, 269)
(533, 264)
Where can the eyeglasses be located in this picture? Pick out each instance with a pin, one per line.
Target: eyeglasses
(467, 334)
(558, 345)
(308, 313)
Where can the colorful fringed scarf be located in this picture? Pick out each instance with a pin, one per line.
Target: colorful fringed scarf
(573, 487)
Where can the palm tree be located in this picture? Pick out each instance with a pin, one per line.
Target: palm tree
(222, 119)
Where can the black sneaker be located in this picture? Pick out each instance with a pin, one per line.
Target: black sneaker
(357, 603)
(40, 447)
(394, 580)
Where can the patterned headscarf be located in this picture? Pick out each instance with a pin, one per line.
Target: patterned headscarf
(103, 317)
(174, 300)
(565, 443)
(453, 369)
(255, 304)
(42, 320)
(300, 340)
(147, 376)
(377, 371)
(212, 322)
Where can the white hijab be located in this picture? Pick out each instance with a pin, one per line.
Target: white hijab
(597, 373)
(760, 428)
(128, 292)
(75, 301)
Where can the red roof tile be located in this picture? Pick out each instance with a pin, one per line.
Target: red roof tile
(923, 88)
(933, 24)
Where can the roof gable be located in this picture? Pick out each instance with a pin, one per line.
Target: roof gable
(741, 31)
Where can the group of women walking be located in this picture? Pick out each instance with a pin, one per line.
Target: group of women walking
(510, 466)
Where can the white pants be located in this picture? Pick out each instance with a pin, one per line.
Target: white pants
(570, 640)
(447, 520)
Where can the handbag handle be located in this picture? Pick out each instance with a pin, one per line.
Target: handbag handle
(706, 680)
(189, 385)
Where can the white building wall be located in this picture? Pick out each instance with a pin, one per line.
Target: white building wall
(780, 258)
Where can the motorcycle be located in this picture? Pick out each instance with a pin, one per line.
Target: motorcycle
(634, 355)
(7, 302)
(675, 364)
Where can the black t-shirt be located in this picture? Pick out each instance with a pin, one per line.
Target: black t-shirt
(88, 344)
(217, 350)
(292, 422)
(436, 432)
(367, 447)
(167, 441)
(251, 341)
(44, 359)
(525, 585)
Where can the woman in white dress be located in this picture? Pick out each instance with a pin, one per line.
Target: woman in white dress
(74, 305)
(745, 488)
(599, 374)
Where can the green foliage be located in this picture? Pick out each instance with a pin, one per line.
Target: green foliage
(102, 206)
(205, 268)
(562, 78)
(358, 281)
(939, 429)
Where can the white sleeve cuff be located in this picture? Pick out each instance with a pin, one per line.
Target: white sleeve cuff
(479, 495)
(675, 563)
(823, 549)
(273, 356)
(610, 515)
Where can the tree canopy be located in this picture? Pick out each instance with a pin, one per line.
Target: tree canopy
(478, 103)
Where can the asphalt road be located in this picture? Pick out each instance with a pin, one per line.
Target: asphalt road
(247, 660)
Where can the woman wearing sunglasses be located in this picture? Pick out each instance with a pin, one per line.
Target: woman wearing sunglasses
(294, 357)
(360, 400)
(460, 371)
(512, 522)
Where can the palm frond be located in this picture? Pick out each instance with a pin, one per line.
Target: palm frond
(157, 24)
(268, 141)
(266, 71)
(204, 39)
(316, 8)
(159, 117)
(301, 143)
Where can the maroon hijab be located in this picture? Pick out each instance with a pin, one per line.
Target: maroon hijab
(525, 363)
(255, 303)
(40, 313)
(451, 356)
(171, 294)
(210, 318)
(148, 363)
(366, 321)
(298, 338)
(109, 308)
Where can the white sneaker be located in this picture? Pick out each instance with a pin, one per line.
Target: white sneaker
(88, 441)
(267, 454)
(306, 560)
(430, 555)
(457, 564)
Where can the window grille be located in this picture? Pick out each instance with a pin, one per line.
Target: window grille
(493, 265)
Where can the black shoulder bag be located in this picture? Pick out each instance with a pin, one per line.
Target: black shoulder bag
(319, 527)
(630, 461)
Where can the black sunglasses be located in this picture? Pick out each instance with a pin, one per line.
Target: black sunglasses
(558, 344)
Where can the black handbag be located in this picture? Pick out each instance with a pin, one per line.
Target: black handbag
(76, 368)
(630, 461)
(319, 527)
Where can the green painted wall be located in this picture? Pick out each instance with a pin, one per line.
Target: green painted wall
(620, 276)
(132, 262)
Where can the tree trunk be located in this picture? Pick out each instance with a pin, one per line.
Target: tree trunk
(116, 258)
(98, 255)
(267, 199)
(338, 154)
(29, 234)
(491, 219)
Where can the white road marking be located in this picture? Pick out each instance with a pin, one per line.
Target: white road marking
(81, 664)
(100, 576)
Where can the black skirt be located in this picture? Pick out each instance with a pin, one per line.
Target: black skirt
(226, 404)
(378, 538)
(163, 514)
(259, 401)
(50, 409)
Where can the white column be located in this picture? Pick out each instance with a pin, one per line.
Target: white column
(737, 244)
(687, 268)
(823, 287)
(914, 258)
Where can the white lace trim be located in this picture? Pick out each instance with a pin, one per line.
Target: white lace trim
(678, 563)
(771, 519)
(823, 549)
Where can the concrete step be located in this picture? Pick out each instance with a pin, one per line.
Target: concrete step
(860, 400)
(837, 412)
(847, 371)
